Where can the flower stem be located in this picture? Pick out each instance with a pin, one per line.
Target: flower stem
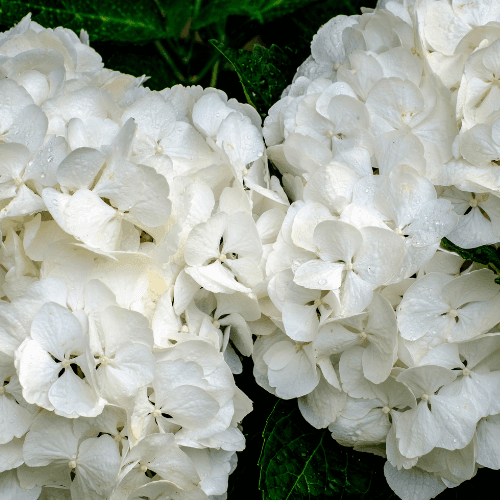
(169, 60)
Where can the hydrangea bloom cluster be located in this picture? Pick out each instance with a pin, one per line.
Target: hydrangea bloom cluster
(388, 139)
(133, 227)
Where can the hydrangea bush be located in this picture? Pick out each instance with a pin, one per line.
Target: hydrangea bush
(146, 249)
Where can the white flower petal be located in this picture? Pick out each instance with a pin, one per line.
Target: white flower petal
(72, 397)
(418, 431)
(50, 439)
(79, 168)
(413, 484)
(190, 406)
(98, 463)
(319, 275)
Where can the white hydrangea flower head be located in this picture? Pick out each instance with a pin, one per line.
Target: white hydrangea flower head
(418, 128)
(122, 356)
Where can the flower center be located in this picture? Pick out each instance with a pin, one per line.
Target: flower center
(72, 464)
(65, 363)
(143, 467)
(466, 372)
(156, 413)
(453, 313)
(216, 323)
(386, 409)
(185, 329)
(406, 116)
(348, 267)
(104, 360)
(222, 257)
(424, 397)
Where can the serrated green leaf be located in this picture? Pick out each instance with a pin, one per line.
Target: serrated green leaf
(260, 10)
(124, 20)
(485, 255)
(263, 73)
(243, 80)
(299, 462)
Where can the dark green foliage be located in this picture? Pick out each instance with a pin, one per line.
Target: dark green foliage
(261, 10)
(129, 21)
(263, 73)
(300, 462)
(176, 14)
(103, 19)
(137, 61)
(486, 255)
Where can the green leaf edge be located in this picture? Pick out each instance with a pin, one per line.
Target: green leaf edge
(486, 255)
(236, 67)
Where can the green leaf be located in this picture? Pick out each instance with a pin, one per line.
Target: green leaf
(123, 20)
(176, 15)
(485, 255)
(263, 73)
(300, 462)
(260, 10)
